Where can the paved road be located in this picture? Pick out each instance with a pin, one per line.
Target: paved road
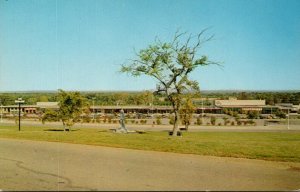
(34, 165)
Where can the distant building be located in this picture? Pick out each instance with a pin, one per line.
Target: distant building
(216, 107)
(47, 105)
(241, 105)
(288, 107)
(13, 109)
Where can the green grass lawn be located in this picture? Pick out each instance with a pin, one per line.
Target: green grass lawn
(275, 146)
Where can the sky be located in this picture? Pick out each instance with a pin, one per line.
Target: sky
(80, 44)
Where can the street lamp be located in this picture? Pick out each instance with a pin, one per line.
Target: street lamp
(202, 110)
(93, 109)
(19, 101)
(152, 115)
(288, 118)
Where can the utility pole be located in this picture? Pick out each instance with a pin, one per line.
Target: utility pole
(19, 101)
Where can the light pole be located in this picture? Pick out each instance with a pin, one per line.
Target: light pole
(19, 101)
(152, 116)
(202, 110)
(93, 109)
(288, 116)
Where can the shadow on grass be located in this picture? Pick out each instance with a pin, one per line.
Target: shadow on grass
(61, 130)
(103, 131)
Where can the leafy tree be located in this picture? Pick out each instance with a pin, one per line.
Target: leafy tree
(43, 98)
(120, 98)
(186, 112)
(71, 106)
(170, 64)
(7, 99)
(145, 98)
(243, 96)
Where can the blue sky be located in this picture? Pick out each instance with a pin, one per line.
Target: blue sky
(79, 45)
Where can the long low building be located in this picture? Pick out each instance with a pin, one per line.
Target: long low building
(217, 108)
(42, 106)
(242, 105)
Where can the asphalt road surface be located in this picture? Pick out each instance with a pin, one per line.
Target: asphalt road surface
(34, 165)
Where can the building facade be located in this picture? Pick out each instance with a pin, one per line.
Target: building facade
(241, 106)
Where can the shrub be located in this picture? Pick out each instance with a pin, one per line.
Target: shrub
(280, 114)
(235, 114)
(213, 120)
(158, 120)
(98, 120)
(251, 122)
(199, 121)
(232, 123)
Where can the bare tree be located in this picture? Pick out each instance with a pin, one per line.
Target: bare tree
(170, 63)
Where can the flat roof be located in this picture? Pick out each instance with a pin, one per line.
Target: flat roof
(240, 103)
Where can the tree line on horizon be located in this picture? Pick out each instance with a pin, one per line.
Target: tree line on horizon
(147, 97)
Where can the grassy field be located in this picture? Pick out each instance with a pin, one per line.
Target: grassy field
(274, 146)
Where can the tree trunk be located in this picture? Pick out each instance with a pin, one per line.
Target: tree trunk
(186, 126)
(64, 126)
(175, 128)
